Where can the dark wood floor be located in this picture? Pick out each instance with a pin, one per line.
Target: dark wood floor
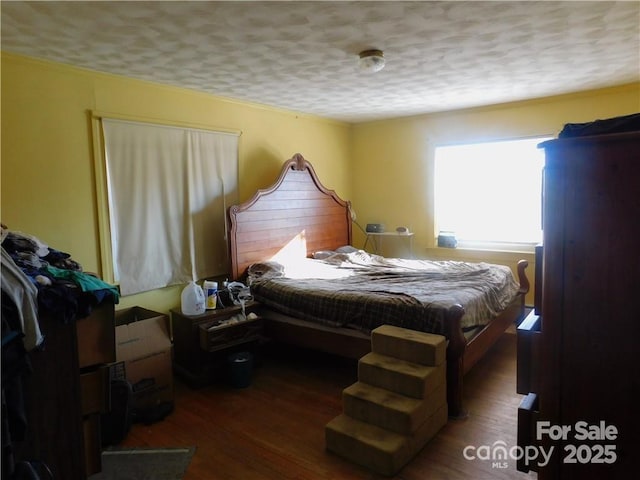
(274, 429)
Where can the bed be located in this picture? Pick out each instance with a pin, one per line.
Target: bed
(277, 236)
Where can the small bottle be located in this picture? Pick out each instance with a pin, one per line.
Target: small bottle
(210, 293)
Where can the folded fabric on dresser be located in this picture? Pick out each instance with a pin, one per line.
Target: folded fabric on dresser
(55, 281)
(23, 293)
(626, 123)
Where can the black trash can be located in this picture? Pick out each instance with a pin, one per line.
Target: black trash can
(240, 367)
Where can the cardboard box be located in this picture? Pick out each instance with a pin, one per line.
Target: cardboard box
(143, 343)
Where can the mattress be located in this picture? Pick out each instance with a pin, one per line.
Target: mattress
(356, 289)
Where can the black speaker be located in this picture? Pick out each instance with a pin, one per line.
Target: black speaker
(375, 228)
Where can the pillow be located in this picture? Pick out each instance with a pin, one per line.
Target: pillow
(266, 269)
(347, 249)
(322, 254)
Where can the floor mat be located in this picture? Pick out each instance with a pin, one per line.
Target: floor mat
(144, 463)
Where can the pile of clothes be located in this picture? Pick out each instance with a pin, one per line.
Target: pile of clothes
(36, 280)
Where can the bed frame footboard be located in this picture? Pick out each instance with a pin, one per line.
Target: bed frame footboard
(455, 360)
(462, 355)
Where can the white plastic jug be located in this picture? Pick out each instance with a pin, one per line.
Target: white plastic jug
(192, 299)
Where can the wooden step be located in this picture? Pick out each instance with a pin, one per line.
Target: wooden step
(410, 345)
(375, 448)
(390, 410)
(407, 378)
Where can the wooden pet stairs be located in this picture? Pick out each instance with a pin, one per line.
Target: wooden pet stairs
(398, 403)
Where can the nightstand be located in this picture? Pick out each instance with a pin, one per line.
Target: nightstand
(199, 366)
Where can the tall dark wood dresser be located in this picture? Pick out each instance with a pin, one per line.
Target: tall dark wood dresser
(583, 364)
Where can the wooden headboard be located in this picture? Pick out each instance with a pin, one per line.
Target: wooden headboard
(296, 216)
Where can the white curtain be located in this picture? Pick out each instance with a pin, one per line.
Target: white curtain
(168, 192)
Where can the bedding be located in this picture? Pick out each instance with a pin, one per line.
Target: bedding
(297, 215)
(355, 289)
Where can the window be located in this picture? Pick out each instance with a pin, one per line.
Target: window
(489, 194)
(167, 190)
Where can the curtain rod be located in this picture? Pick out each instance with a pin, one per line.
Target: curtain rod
(166, 123)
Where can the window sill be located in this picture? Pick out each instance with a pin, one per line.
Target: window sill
(478, 254)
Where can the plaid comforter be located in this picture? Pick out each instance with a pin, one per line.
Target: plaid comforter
(363, 291)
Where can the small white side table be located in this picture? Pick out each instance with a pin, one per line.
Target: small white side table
(376, 240)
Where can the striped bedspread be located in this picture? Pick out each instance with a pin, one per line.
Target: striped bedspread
(363, 291)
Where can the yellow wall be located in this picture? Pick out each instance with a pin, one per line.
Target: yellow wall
(383, 167)
(48, 186)
(393, 159)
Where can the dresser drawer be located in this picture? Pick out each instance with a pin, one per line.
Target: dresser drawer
(97, 337)
(95, 391)
(215, 336)
(528, 340)
(527, 419)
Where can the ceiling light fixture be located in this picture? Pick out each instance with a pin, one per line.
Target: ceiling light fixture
(371, 60)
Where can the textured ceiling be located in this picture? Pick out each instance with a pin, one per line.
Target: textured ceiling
(302, 56)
